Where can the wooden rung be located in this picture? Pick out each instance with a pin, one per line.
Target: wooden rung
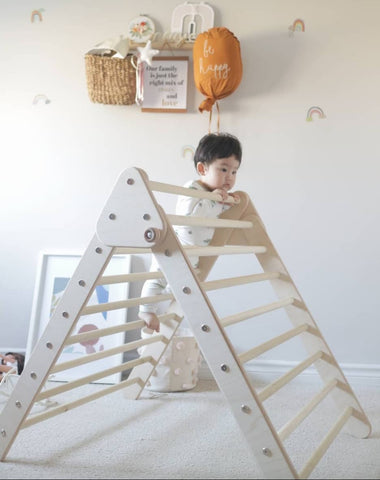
(129, 278)
(287, 377)
(189, 192)
(234, 281)
(360, 416)
(326, 442)
(297, 303)
(125, 327)
(77, 403)
(132, 302)
(230, 250)
(131, 250)
(290, 426)
(273, 342)
(254, 312)
(93, 377)
(103, 332)
(107, 353)
(207, 222)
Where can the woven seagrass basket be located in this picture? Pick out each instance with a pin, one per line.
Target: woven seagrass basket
(110, 80)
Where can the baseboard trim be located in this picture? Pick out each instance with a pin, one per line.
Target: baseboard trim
(268, 370)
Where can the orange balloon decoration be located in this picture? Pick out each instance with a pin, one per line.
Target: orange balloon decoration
(218, 66)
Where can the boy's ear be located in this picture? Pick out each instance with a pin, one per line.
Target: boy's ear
(201, 168)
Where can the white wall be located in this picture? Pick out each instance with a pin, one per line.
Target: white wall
(314, 183)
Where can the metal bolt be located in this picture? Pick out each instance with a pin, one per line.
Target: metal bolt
(150, 235)
(146, 216)
(245, 409)
(130, 181)
(205, 328)
(18, 404)
(82, 283)
(49, 345)
(65, 315)
(98, 250)
(267, 452)
(112, 216)
(3, 432)
(33, 375)
(167, 253)
(224, 367)
(186, 290)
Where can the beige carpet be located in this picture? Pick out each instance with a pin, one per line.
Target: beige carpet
(180, 435)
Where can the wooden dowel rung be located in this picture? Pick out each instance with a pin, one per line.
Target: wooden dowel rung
(125, 327)
(189, 192)
(132, 250)
(287, 377)
(229, 250)
(132, 302)
(184, 220)
(107, 353)
(93, 377)
(103, 332)
(273, 342)
(290, 426)
(129, 278)
(359, 416)
(254, 312)
(326, 442)
(235, 281)
(77, 403)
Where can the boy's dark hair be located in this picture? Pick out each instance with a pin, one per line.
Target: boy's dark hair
(217, 145)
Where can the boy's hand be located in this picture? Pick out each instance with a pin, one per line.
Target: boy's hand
(235, 197)
(222, 193)
(151, 320)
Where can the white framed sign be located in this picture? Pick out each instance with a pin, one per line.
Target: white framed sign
(165, 85)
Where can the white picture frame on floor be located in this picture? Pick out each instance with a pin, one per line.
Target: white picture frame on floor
(54, 272)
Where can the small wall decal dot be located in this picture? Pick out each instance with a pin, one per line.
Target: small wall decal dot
(36, 14)
(314, 112)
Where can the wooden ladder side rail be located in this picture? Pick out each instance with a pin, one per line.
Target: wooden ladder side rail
(123, 230)
(223, 236)
(220, 355)
(298, 314)
(217, 350)
(50, 345)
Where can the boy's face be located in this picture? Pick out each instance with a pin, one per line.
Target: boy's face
(220, 174)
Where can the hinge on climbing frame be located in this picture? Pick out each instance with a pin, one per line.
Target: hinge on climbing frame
(130, 217)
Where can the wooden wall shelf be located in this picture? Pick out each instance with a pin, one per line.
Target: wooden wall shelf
(164, 45)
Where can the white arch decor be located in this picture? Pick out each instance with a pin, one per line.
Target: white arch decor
(190, 19)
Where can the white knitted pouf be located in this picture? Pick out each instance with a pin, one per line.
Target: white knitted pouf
(178, 368)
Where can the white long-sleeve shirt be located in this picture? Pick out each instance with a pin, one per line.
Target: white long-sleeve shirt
(188, 235)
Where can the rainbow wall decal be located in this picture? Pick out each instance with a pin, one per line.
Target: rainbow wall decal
(42, 98)
(37, 13)
(188, 152)
(298, 25)
(316, 111)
